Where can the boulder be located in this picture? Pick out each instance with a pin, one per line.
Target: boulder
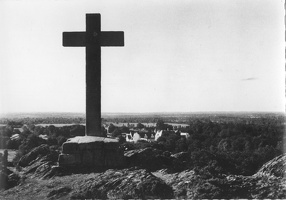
(58, 193)
(189, 185)
(275, 167)
(42, 165)
(122, 184)
(148, 158)
(41, 150)
(13, 180)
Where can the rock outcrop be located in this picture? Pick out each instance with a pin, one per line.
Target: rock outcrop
(39, 151)
(40, 162)
(154, 159)
(43, 179)
(122, 184)
(268, 182)
(148, 158)
(275, 167)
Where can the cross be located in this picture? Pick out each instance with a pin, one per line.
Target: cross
(93, 39)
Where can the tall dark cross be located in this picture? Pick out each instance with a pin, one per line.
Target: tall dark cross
(93, 39)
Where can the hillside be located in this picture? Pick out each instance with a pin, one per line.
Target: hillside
(42, 179)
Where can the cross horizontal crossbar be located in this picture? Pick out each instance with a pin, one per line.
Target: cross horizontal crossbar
(107, 38)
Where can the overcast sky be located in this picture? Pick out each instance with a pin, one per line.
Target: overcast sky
(184, 56)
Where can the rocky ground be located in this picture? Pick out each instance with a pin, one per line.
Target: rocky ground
(146, 175)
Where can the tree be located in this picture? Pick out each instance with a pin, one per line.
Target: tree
(77, 130)
(29, 143)
(116, 132)
(160, 125)
(13, 144)
(181, 145)
(61, 140)
(111, 128)
(31, 126)
(124, 129)
(140, 126)
(121, 139)
(7, 131)
(38, 130)
(224, 145)
(103, 131)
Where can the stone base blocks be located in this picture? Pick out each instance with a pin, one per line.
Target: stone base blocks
(91, 151)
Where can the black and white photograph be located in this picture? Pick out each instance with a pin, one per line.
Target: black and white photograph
(151, 99)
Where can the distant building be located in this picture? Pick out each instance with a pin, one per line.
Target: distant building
(158, 133)
(187, 135)
(135, 137)
(45, 137)
(129, 137)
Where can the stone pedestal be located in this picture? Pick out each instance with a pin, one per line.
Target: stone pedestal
(91, 151)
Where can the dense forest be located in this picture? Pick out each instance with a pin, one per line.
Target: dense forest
(219, 143)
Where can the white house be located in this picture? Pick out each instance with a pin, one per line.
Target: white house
(135, 138)
(187, 135)
(158, 134)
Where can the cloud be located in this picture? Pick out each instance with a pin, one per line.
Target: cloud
(249, 79)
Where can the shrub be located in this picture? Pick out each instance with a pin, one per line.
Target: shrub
(121, 139)
(13, 144)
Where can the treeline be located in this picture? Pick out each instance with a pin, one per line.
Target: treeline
(187, 118)
(33, 136)
(222, 148)
(46, 120)
(184, 118)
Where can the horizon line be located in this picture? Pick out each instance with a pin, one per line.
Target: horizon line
(156, 112)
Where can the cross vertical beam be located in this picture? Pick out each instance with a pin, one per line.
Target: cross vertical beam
(92, 40)
(93, 75)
